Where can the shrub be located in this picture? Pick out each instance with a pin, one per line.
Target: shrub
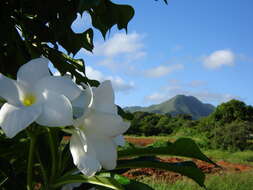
(232, 136)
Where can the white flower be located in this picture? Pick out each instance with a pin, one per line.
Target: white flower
(99, 130)
(36, 96)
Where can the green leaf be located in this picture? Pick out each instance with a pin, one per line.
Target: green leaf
(73, 42)
(127, 183)
(184, 147)
(87, 4)
(187, 168)
(65, 63)
(2, 181)
(96, 180)
(107, 14)
(123, 114)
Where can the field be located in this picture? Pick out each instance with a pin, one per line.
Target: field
(236, 172)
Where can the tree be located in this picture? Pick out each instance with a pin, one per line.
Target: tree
(233, 136)
(229, 126)
(29, 26)
(233, 110)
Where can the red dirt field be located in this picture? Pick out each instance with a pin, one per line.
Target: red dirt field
(140, 141)
(172, 177)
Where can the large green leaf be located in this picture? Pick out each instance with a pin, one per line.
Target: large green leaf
(96, 180)
(184, 147)
(127, 183)
(187, 168)
(107, 14)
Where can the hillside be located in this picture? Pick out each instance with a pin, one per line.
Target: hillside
(179, 104)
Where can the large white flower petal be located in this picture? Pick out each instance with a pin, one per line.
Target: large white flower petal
(102, 124)
(80, 104)
(103, 98)
(119, 140)
(9, 90)
(83, 154)
(61, 85)
(56, 110)
(31, 72)
(14, 119)
(106, 150)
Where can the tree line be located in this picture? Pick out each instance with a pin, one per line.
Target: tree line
(229, 127)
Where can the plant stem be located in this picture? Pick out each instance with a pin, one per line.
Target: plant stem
(43, 171)
(30, 161)
(53, 153)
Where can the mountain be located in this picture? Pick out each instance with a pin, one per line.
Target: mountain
(133, 108)
(180, 104)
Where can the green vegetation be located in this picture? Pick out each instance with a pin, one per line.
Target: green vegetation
(229, 127)
(148, 124)
(179, 104)
(232, 181)
(240, 157)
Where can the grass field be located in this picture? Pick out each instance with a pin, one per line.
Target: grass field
(231, 181)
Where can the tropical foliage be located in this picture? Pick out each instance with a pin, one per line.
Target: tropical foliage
(55, 134)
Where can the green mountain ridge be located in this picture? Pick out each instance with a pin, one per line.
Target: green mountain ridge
(180, 104)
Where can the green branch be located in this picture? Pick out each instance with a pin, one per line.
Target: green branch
(30, 161)
(53, 153)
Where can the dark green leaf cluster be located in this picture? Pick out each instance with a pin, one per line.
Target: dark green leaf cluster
(31, 28)
(13, 161)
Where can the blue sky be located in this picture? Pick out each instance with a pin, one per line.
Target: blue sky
(194, 47)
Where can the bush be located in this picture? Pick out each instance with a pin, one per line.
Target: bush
(232, 136)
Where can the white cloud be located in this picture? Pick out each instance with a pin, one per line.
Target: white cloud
(120, 85)
(156, 97)
(120, 43)
(176, 87)
(204, 96)
(94, 74)
(117, 82)
(162, 70)
(110, 63)
(119, 52)
(219, 58)
(207, 96)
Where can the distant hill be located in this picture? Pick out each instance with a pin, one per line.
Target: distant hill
(180, 104)
(133, 108)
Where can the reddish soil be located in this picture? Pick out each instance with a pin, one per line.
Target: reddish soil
(172, 177)
(140, 141)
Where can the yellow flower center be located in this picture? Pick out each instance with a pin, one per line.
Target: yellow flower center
(29, 100)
